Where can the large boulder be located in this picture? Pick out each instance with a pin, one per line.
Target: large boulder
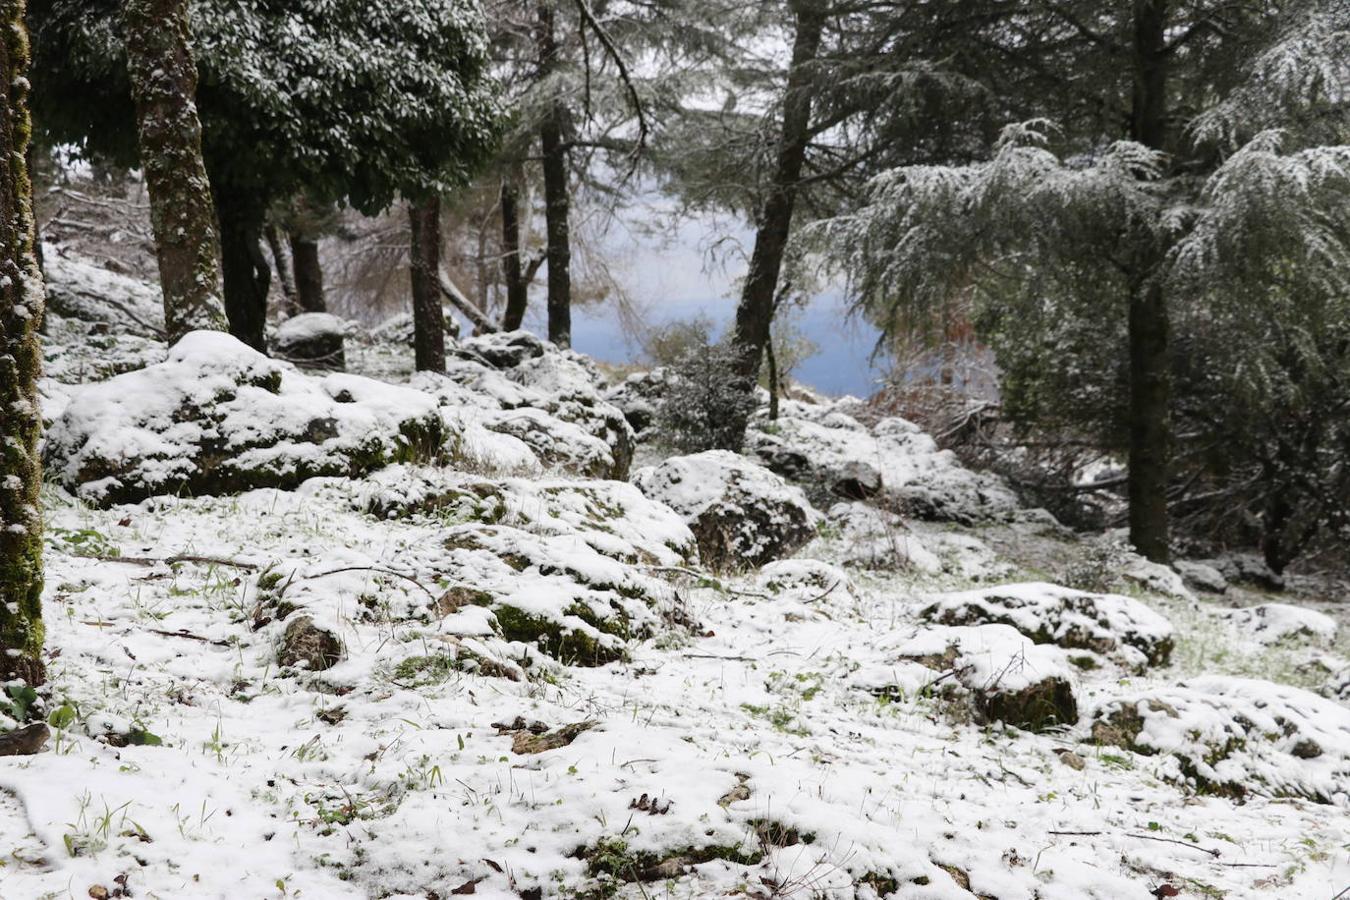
(1235, 736)
(837, 457)
(639, 397)
(1000, 673)
(1110, 624)
(313, 341)
(217, 417)
(742, 515)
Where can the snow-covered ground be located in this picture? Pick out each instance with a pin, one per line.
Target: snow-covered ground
(486, 673)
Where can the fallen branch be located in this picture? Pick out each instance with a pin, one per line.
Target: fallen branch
(1164, 840)
(380, 570)
(462, 303)
(215, 642)
(179, 558)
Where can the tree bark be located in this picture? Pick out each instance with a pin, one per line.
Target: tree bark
(754, 313)
(247, 276)
(21, 307)
(281, 261)
(1149, 327)
(424, 217)
(517, 291)
(556, 198)
(164, 86)
(308, 274)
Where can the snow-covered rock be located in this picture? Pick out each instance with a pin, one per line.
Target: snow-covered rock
(639, 397)
(1005, 676)
(1235, 736)
(804, 580)
(837, 456)
(1274, 623)
(1247, 568)
(313, 340)
(1201, 576)
(1115, 626)
(217, 417)
(399, 329)
(549, 399)
(742, 515)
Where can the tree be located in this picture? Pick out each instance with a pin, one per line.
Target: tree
(795, 143)
(424, 217)
(164, 85)
(1111, 237)
(338, 100)
(21, 308)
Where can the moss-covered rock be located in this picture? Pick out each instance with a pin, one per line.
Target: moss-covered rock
(219, 418)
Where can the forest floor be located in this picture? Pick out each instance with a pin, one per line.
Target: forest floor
(759, 737)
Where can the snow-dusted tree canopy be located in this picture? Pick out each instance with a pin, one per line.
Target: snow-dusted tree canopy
(348, 99)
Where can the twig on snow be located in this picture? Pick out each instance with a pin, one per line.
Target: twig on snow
(1164, 840)
(178, 558)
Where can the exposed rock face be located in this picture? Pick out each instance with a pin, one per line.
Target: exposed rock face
(1004, 677)
(313, 341)
(1234, 736)
(309, 645)
(219, 418)
(639, 397)
(742, 515)
(837, 457)
(1115, 626)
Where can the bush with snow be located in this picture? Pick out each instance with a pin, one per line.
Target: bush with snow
(217, 417)
(705, 404)
(742, 515)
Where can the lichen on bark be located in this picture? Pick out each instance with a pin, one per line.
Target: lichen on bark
(21, 309)
(164, 86)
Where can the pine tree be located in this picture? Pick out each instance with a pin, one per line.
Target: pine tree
(164, 85)
(1112, 230)
(21, 309)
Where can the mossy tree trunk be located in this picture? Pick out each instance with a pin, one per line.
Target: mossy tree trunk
(21, 307)
(424, 217)
(164, 86)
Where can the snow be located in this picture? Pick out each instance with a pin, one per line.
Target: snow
(1272, 623)
(308, 326)
(799, 729)
(1118, 626)
(824, 447)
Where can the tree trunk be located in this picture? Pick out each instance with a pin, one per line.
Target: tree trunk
(281, 261)
(773, 380)
(21, 306)
(517, 291)
(247, 276)
(556, 198)
(164, 86)
(1149, 451)
(754, 314)
(308, 274)
(425, 256)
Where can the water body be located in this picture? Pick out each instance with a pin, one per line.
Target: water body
(672, 276)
